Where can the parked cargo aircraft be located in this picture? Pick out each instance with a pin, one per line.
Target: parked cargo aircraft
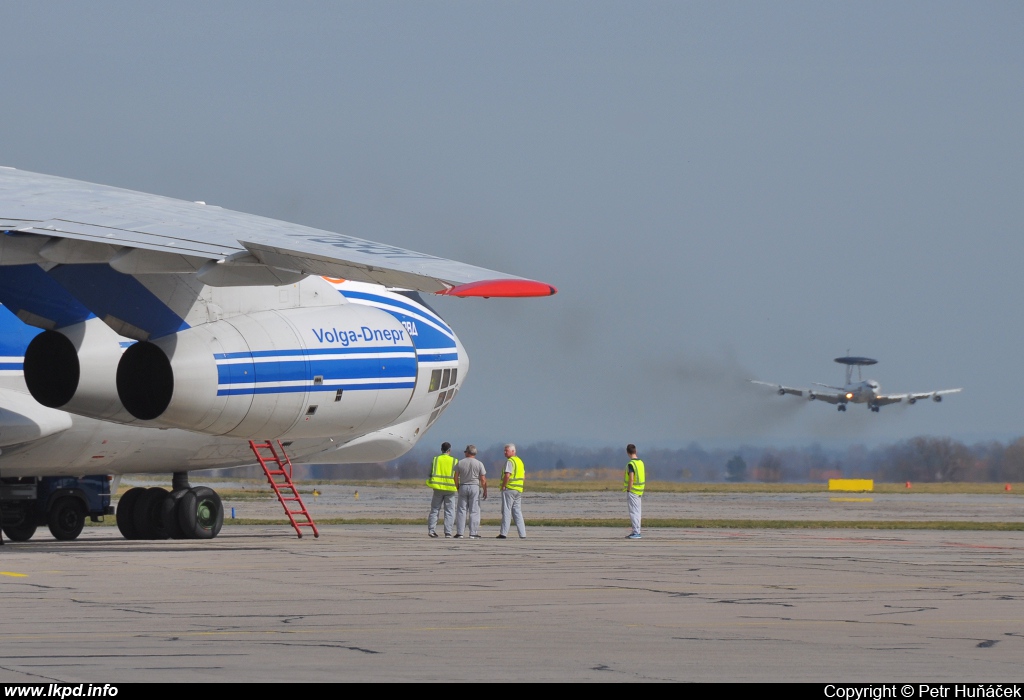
(862, 391)
(143, 334)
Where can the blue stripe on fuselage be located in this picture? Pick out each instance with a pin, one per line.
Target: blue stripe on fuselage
(370, 386)
(260, 372)
(315, 351)
(263, 367)
(439, 357)
(423, 335)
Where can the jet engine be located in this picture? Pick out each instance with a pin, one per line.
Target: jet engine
(73, 369)
(337, 371)
(937, 398)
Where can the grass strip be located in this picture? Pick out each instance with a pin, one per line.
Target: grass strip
(688, 523)
(259, 490)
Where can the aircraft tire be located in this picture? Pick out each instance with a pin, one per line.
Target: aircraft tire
(20, 533)
(200, 513)
(148, 514)
(66, 518)
(169, 514)
(125, 513)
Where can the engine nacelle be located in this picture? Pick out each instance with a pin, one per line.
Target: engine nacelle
(73, 369)
(335, 371)
(937, 398)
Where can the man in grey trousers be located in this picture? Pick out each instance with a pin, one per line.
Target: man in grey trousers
(470, 478)
(512, 494)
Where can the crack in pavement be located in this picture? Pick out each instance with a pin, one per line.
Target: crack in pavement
(29, 673)
(321, 646)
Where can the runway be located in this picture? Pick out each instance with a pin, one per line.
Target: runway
(373, 603)
(389, 501)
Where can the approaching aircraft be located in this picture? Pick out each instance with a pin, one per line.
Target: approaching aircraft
(144, 334)
(861, 391)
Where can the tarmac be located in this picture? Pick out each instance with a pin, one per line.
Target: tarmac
(386, 603)
(388, 501)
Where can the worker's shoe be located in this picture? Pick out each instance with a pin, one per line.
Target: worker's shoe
(474, 537)
(432, 533)
(501, 537)
(458, 537)
(447, 535)
(634, 536)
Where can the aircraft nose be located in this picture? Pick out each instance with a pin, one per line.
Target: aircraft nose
(463, 361)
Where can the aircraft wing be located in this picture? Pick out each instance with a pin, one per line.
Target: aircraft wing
(782, 390)
(933, 395)
(51, 220)
(889, 399)
(826, 396)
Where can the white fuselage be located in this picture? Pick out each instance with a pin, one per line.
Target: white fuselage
(862, 392)
(73, 445)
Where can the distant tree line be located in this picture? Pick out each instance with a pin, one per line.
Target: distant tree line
(920, 459)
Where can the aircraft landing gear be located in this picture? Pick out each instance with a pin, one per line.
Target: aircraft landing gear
(841, 407)
(190, 513)
(875, 409)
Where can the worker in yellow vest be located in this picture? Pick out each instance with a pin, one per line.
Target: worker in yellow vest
(512, 493)
(442, 481)
(633, 485)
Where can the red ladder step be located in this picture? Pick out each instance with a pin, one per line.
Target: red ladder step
(278, 464)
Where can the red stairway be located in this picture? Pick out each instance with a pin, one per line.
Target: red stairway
(278, 469)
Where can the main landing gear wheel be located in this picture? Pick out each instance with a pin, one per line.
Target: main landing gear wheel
(169, 514)
(842, 407)
(148, 514)
(183, 514)
(20, 533)
(200, 513)
(66, 518)
(125, 513)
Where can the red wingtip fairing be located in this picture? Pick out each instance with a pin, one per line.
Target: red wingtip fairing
(501, 288)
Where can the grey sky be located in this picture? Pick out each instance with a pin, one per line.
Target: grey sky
(720, 191)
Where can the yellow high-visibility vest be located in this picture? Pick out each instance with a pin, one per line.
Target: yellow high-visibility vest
(638, 477)
(442, 473)
(516, 477)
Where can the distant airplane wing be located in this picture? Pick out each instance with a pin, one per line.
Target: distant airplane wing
(827, 396)
(51, 220)
(782, 390)
(933, 395)
(889, 399)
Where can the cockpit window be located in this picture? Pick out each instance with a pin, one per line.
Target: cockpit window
(435, 381)
(447, 378)
(455, 374)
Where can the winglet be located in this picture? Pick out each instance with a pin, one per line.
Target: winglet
(501, 288)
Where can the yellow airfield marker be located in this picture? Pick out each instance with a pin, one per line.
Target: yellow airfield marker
(851, 484)
(12, 573)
